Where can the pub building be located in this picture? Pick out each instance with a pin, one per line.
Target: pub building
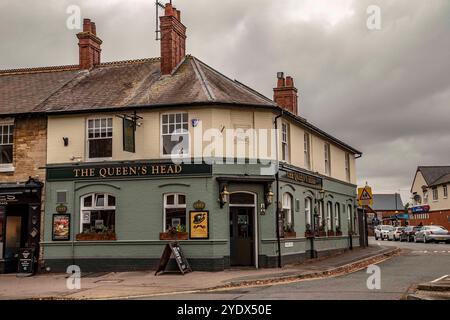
(126, 174)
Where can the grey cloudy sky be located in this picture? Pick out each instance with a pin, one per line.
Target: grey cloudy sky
(385, 92)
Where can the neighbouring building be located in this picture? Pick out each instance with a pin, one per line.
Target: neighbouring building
(23, 143)
(389, 209)
(147, 151)
(431, 204)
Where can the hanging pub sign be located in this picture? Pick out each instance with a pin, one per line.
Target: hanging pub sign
(61, 227)
(129, 135)
(199, 226)
(175, 249)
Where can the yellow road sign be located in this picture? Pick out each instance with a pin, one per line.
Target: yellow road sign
(365, 197)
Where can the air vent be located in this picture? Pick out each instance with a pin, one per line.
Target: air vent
(61, 196)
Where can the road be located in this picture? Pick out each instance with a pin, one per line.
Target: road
(418, 263)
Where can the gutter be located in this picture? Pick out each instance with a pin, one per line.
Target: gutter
(277, 176)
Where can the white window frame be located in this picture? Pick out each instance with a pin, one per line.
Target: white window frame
(97, 208)
(327, 155)
(161, 134)
(285, 154)
(435, 192)
(329, 218)
(176, 205)
(308, 212)
(445, 187)
(100, 117)
(349, 217)
(337, 215)
(287, 205)
(307, 150)
(348, 175)
(8, 167)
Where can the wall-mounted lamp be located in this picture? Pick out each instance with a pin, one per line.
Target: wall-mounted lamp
(66, 141)
(269, 196)
(224, 196)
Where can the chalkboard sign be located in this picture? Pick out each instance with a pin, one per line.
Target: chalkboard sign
(175, 249)
(26, 262)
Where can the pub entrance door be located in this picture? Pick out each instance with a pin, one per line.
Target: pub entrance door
(242, 229)
(241, 236)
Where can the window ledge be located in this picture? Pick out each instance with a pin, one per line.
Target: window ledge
(7, 169)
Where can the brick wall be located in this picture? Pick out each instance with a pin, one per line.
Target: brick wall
(30, 144)
(438, 218)
(30, 155)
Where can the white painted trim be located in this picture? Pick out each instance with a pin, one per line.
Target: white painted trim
(161, 145)
(173, 206)
(95, 208)
(256, 225)
(86, 139)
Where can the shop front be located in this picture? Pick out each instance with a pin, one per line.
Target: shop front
(20, 219)
(120, 216)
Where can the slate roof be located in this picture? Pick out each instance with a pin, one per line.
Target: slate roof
(22, 90)
(136, 83)
(387, 202)
(130, 84)
(435, 175)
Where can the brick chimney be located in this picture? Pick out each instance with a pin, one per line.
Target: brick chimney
(173, 39)
(90, 45)
(286, 94)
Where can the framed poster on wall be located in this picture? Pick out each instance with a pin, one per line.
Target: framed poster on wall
(61, 227)
(199, 225)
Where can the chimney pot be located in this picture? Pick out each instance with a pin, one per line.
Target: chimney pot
(173, 39)
(285, 94)
(89, 46)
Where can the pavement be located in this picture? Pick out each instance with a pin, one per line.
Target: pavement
(400, 278)
(136, 285)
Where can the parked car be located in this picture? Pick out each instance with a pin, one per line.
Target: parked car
(408, 233)
(394, 234)
(432, 233)
(382, 231)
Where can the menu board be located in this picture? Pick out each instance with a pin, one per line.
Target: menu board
(175, 249)
(26, 261)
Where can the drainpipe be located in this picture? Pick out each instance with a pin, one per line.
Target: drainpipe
(277, 175)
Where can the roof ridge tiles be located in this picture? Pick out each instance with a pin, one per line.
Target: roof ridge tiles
(19, 71)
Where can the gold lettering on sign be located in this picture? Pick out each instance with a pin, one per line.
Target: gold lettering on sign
(103, 172)
(132, 171)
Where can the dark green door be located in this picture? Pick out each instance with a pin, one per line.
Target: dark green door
(241, 236)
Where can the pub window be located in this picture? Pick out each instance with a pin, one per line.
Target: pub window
(175, 134)
(100, 135)
(288, 213)
(337, 216)
(329, 216)
(98, 213)
(327, 152)
(175, 212)
(307, 150)
(349, 217)
(285, 142)
(308, 212)
(347, 166)
(6, 144)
